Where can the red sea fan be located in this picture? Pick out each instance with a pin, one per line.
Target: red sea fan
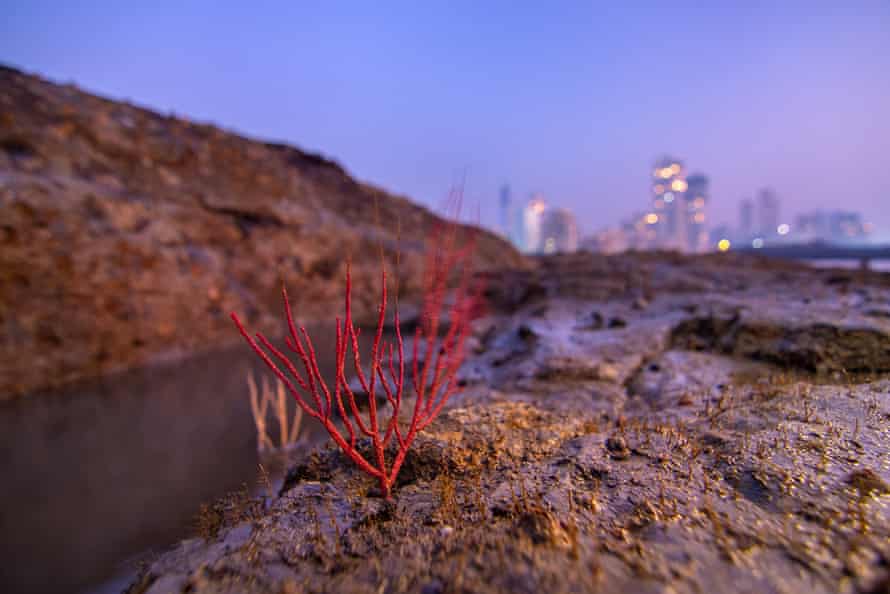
(432, 380)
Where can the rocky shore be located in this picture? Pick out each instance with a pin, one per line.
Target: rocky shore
(126, 234)
(642, 423)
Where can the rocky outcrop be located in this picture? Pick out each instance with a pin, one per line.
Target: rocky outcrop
(125, 233)
(644, 423)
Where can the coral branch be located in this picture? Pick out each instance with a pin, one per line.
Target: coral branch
(433, 379)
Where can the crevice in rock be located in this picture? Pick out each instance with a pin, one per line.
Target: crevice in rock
(815, 348)
(17, 147)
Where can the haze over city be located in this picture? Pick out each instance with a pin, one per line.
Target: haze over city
(574, 101)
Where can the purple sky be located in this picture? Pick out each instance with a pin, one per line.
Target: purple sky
(571, 99)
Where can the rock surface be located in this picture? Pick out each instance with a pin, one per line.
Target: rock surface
(643, 423)
(125, 233)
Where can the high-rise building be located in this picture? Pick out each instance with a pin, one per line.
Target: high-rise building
(559, 231)
(531, 224)
(846, 226)
(812, 226)
(668, 201)
(767, 213)
(677, 218)
(835, 227)
(697, 197)
(504, 210)
(746, 219)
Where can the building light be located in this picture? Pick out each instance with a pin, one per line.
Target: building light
(678, 185)
(659, 189)
(783, 229)
(699, 202)
(699, 217)
(651, 218)
(659, 204)
(723, 245)
(550, 245)
(666, 172)
(669, 197)
(675, 168)
(757, 243)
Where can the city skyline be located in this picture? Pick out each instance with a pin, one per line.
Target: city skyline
(568, 101)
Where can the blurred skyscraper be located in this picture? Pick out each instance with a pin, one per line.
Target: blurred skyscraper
(746, 219)
(504, 210)
(679, 205)
(767, 213)
(559, 231)
(668, 189)
(697, 198)
(532, 216)
(834, 227)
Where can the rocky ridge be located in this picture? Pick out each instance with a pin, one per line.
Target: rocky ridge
(125, 234)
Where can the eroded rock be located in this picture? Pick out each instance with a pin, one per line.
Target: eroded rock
(125, 234)
(709, 444)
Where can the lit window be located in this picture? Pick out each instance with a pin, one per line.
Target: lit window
(659, 189)
(669, 197)
(651, 218)
(678, 185)
(699, 217)
(659, 204)
(675, 168)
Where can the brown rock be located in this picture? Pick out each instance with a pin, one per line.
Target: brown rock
(167, 216)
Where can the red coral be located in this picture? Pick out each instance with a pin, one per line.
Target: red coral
(433, 381)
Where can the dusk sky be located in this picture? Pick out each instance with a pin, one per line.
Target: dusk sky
(571, 99)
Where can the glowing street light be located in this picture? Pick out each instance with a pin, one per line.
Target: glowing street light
(784, 229)
(723, 245)
(651, 218)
